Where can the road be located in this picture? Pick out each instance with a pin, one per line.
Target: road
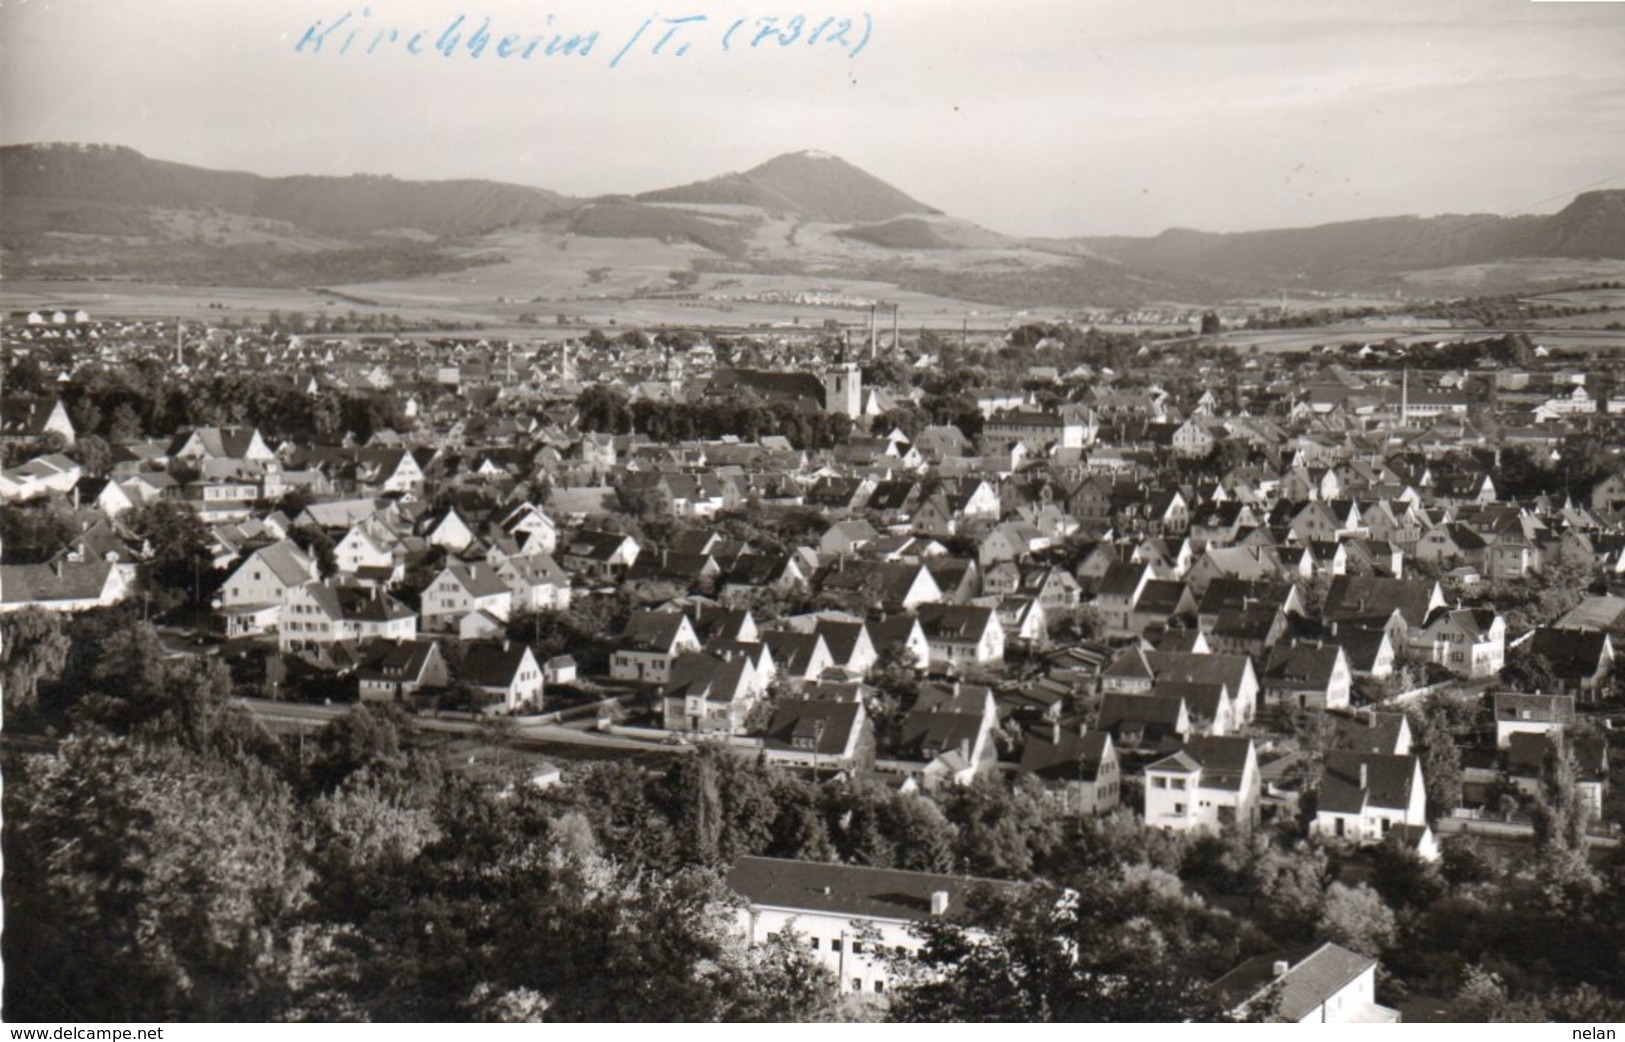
(534, 737)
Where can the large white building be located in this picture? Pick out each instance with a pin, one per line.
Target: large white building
(844, 913)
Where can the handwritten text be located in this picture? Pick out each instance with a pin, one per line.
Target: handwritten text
(355, 32)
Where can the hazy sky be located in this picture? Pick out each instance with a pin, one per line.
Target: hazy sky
(1027, 116)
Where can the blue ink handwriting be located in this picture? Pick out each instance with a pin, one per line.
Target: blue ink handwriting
(355, 32)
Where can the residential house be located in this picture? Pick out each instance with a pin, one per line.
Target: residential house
(536, 583)
(650, 646)
(1582, 662)
(950, 731)
(598, 556)
(855, 919)
(322, 613)
(29, 418)
(1210, 783)
(821, 730)
(709, 694)
(1327, 984)
(1470, 642)
(461, 589)
(41, 476)
(1080, 769)
(256, 592)
(394, 671)
(1307, 676)
(1364, 796)
(62, 585)
(507, 673)
(962, 637)
(1530, 714)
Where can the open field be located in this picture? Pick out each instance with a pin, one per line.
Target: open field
(1485, 279)
(1576, 332)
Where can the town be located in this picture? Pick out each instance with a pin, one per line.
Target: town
(1305, 655)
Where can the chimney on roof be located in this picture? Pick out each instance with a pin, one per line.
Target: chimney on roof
(939, 902)
(505, 643)
(1365, 777)
(1280, 968)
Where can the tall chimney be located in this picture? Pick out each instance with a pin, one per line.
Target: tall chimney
(873, 336)
(896, 336)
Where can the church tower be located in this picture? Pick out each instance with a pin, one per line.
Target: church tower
(843, 389)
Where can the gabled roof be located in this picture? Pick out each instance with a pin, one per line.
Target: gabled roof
(395, 661)
(1369, 597)
(714, 679)
(494, 665)
(654, 630)
(1573, 653)
(480, 580)
(1310, 979)
(1387, 781)
(1305, 665)
(827, 723)
(287, 562)
(1375, 733)
(1068, 756)
(57, 581)
(960, 623)
(794, 652)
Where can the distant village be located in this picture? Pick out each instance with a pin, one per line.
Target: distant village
(1216, 589)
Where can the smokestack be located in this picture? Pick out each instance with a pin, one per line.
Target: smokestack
(896, 336)
(873, 336)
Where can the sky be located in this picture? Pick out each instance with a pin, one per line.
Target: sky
(1031, 117)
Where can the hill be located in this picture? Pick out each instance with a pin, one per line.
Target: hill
(813, 185)
(1355, 253)
(111, 176)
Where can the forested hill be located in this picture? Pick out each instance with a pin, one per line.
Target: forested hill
(1592, 226)
(100, 175)
(813, 185)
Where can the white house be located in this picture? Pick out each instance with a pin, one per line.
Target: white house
(320, 613)
(1328, 984)
(850, 917)
(65, 586)
(1364, 796)
(962, 636)
(463, 589)
(652, 642)
(1211, 783)
(507, 672)
(257, 591)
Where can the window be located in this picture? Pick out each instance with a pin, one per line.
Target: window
(880, 986)
(1179, 808)
(857, 947)
(857, 983)
(835, 944)
(1159, 783)
(814, 942)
